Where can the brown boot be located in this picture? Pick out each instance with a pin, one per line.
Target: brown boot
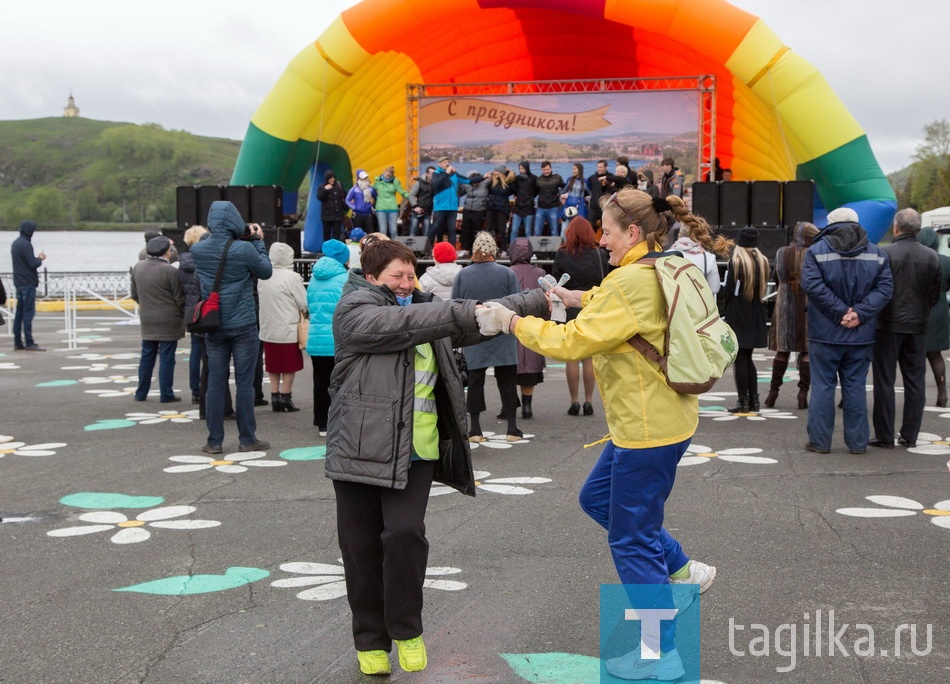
(778, 373)
(942, 391)
(804, 383)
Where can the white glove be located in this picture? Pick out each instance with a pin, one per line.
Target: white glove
(494, 318)
(548, 283)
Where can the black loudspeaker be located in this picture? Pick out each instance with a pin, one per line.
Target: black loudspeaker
(267, 205)
(706, 202)
(733, 204)
(417, 243)
(177, 236)
(240, 197)
(798, 202)
(545, 246)
(186, 206)
(206, 195)
(765, 204)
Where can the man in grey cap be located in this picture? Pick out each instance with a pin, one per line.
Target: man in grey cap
(156, 288)
(152, 233)
(25, 280)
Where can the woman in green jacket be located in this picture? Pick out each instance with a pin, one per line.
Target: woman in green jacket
(387, 208)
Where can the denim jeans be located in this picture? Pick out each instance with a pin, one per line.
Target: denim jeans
(194, 363)
(388, 222)
(165, 352)
(442, 221)
(516, 221)
(241, 345)
(829, 362)
(23, 318)
(547, 215)
(415, 220)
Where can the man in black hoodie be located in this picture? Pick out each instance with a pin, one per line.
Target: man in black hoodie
(25, 280)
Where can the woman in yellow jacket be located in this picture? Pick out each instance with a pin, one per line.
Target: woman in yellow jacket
(650, 424)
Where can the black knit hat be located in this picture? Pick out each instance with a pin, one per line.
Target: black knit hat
(747, 237)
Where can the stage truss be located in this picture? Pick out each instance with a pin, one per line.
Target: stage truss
(704, 85)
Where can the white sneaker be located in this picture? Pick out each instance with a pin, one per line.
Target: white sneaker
(667, 668)
(699, 573)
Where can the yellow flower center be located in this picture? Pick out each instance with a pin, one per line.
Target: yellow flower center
(169, 416)
(708, 454)
(131, 523)
(4, 452)
(941, 442)
(219, 463)
(936, 511)
(478, 483)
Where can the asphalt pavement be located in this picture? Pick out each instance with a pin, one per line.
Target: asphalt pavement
(126, 555)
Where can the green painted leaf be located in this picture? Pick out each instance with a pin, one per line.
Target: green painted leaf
(111, 424)
(199, 584)
(106, 500)
(310, 453)
(554, 668)
(57, 383)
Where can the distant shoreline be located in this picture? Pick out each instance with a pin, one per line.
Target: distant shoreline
(98, 227)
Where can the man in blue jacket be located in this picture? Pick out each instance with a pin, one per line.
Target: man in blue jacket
(445, 201)
(848, 281)
(238, 336)
(25, 280)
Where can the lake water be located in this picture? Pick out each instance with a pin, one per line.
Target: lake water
(79, 250)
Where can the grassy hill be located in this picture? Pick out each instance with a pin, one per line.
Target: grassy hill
(75, 172)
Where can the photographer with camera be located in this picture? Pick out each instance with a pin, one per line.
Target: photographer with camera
(238, 337)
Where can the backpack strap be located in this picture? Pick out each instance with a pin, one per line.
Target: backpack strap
(224, 257)
(640, 343)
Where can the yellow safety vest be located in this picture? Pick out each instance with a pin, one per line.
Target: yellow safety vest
(425, 432)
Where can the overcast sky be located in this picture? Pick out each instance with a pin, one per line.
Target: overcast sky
(204, 66)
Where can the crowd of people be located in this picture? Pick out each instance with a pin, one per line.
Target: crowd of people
(444, 204)
(399, 360)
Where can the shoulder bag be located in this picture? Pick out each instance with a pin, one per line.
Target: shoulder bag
(207, 315)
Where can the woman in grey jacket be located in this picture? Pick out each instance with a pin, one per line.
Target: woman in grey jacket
(397, 421)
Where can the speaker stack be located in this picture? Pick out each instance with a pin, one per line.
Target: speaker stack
(765, 204)
(797, 203)
(266, 206)
(240, 197)
(734, 204)
(186, 206)
(706, 201)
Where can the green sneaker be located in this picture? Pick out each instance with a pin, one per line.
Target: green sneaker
(374, 662)
(412, 654)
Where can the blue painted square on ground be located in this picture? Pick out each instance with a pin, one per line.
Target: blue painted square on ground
(649, 632)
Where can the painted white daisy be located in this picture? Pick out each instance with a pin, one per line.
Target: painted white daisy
(719, 413)
(231, 463)
(697, 454)
(899, 507)
(329, 584)
(8, 446)
(133, 531)
(91, 356)
(498, 485)
(9, 365)
(944, 412)
(164, 417)
(102, 367)
(111, 379)
(930, 444)
(497, 440)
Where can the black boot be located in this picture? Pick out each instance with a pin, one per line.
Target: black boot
(778, 373)
(754, 403)
(275, 402)
(742, 406)
(287, 402)
(526, 411)
(941, 391)
(804, 383)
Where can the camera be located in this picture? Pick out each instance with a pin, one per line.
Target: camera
(249, 234)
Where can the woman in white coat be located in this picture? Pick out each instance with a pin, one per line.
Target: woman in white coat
(283, 301)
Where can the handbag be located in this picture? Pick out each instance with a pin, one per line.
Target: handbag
(207, 315)
(303, 331)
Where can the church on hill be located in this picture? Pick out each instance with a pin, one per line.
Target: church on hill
(71, 109)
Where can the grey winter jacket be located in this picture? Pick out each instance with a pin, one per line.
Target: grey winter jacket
(161, 301)
(371, 415)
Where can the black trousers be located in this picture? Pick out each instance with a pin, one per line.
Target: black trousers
(505, 377)
(910, 353)
(322, 369)
(382, 534)
(472, 223)
(496, 222)
(333, 230)
(747, 380)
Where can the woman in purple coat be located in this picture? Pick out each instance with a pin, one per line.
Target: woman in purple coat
(530, 363)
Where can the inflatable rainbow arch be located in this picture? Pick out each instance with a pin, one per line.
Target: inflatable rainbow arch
(341, 102)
